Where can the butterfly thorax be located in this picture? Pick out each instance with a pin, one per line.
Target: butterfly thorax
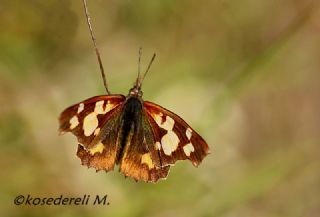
(129, 125)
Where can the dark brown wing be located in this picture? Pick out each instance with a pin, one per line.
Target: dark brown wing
(140, 159)
(95, 123)
(174, 138)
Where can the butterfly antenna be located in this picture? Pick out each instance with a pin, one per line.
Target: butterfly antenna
(139, 61)
(95, 46)
(144, 75)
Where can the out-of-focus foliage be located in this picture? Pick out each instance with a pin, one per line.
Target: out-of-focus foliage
(245, 74)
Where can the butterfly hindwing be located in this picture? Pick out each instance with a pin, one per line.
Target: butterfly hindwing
(137, 159)
(174, 138)
(158, 170)
(102, 156)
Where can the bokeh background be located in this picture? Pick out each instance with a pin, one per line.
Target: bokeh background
(244, 74)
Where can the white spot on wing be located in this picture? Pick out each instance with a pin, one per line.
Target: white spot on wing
(188, 148)
(109, 107)
(73, 122)
(99, 107)
(169, 142)
(157, 118)
(188, 133)
(167, 124)
(80, 108)
(90, 123)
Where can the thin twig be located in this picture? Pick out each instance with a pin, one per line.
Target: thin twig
(95, 46)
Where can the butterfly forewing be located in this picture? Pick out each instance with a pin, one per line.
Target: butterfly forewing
(95, 123)
(174, 138)
(86, 119)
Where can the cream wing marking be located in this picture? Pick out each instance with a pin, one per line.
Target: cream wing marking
(80, 108)
(167, 124)
(90, 122)
(170, 140)
(99, 107)
(189, 133)
(146, 159)
(188, 148)
(74, 122)
(96, 132)
(97, 149)
(158, 145)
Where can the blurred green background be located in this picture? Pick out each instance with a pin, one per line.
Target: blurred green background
(244, 74)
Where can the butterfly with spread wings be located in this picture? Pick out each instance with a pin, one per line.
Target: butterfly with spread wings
(143, 138)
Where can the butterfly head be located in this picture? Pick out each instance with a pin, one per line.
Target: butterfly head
(136, 90)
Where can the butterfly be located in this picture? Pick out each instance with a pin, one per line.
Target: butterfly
(143, 138)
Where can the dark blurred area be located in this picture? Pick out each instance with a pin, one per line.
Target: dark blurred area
(244, 74)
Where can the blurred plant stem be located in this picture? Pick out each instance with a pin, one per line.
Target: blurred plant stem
(236, 84)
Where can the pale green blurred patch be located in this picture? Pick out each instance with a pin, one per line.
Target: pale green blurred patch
(244, 74)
